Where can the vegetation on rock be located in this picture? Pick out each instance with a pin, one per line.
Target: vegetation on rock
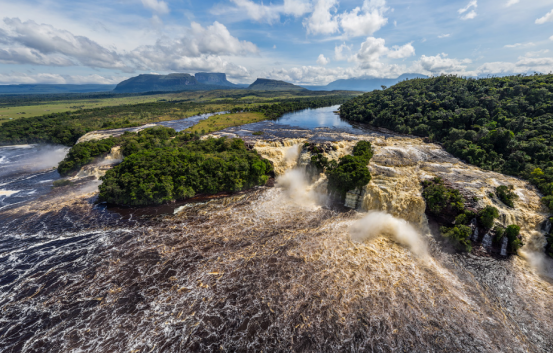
(158, 171)
(502, 124)
(506, 195)
(487, 215)
(83, 153)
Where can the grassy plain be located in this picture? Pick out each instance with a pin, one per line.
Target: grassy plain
(48, 107)
(220, 122)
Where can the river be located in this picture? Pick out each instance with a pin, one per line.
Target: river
(276, 269)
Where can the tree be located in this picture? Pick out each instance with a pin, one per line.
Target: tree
(487, 216)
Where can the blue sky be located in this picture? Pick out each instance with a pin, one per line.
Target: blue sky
(300, 41)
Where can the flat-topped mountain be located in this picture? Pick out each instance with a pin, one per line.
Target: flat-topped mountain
(263, 84)
(211, 78)
(175, 82)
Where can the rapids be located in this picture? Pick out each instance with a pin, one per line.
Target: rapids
(275, 269)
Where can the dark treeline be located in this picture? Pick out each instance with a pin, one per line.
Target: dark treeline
(502, 124)
(66, 127)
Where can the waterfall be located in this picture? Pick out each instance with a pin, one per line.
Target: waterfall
(504, 249)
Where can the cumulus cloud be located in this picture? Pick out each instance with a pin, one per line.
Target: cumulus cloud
(444, 35)
(340, 52)
(544, 19)
(372, 49)
(258, 12)
(156, 6)
(440, 63)
(364, 21)
(199, 48)
(322, 60)
(43, 44)
(296, 7)
(321, 20)
(467, 15)
(511, 2)
(523, 65)
(360, 21)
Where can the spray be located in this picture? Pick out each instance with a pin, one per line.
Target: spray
(377, 224)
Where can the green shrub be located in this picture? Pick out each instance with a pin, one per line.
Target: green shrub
(487, 216)
(512, 232)
(498, 234)
(506, 195)
(458, 236)
(83, 153)
(351, 172)
(437, 196)
(363, 150)
(61, 182)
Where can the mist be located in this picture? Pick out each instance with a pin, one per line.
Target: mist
(376, 224)
(297, 190)
(30, 158)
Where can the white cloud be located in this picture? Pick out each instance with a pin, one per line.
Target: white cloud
(440, 63)
(258, 12)
(471, 14)
(272, 13)
(339, 52)
(533, 62)
(511, 2)
(544, 19)
(322, 60)
(156, 6)
(199, 48)
(321, 20)
(444, 35)
(372, 49)
(296, 7)
(517, 45)
(364, 21)
(472, 3)
(45, 45)
(523, 65)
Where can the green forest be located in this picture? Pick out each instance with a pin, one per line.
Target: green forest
(162, 165)
(503, 124)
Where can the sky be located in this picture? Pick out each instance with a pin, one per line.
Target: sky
(310, 42)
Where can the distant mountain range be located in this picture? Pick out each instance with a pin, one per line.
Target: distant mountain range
(204, 81)
(363, 83)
